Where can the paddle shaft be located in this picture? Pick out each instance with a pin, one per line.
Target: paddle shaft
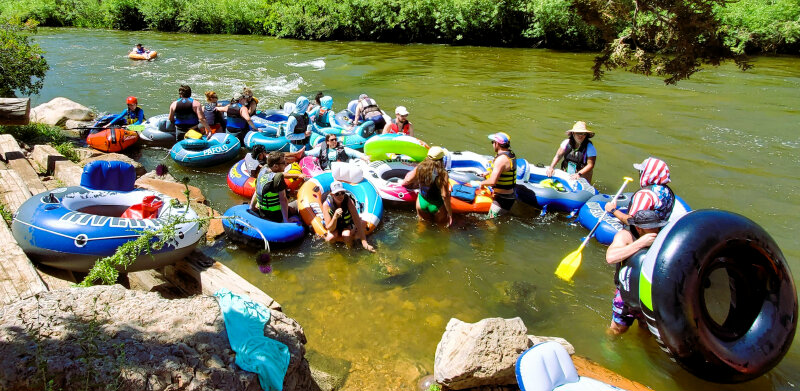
(600, 219)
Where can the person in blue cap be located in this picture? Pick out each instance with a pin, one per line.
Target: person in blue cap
(503, 175)
(298, 128)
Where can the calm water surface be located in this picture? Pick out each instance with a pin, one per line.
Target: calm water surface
(730, 138)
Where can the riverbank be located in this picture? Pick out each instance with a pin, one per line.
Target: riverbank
(752, 26)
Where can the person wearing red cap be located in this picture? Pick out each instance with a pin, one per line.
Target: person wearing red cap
(503, 176)
(653, 178)
(133, 114)
(643, 230)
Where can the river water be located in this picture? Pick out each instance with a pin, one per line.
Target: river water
(730, 138)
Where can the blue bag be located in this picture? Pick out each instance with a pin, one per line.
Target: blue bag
(463, 192)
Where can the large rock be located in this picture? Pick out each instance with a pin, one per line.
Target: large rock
(479, 354)
(59, 110)
(109, 337)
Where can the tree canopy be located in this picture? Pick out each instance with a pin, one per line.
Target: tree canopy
(22, 67)
(668, 38)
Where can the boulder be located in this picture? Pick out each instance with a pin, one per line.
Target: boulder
(140, 170)
(109, 337)
(479, 354)
(59, 110)
(45, 157)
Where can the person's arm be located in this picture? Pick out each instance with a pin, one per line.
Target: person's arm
(411, 129)
(586, 170)
(284, 205)
(624, 246)
(140, 117)
(223, 109)
(246, 116)
(410, 176)
(386, 128)
(314, 151)
(253, 201)
(559, 154)
(198, 111)
(359, 108)
(353, 154)
(445, 192)
(500, 165)
(171, 116)
(611, 207)
(252, 107)
(330, 221)
(117, 118)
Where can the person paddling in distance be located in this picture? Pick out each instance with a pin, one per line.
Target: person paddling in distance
(269, 200)
(239, 120)
(644, 227)
(331, 150)
(341, 218)
(433, 201)
(503, 176)
(400, 124)
(578, 153)
(653, 177)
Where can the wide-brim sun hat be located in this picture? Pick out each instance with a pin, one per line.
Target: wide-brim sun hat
(436, 153)
(580, 127)
(646, 219)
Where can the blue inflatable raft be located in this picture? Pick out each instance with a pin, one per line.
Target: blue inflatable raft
(559, 192)
(220, 148)
(244, 225)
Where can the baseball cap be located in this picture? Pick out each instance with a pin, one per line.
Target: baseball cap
(401, 110)
(501, 138)
(336, 187)
(436, 153)
(363, 96)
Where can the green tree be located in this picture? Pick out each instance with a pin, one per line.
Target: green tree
(22, 66)
(669, 38)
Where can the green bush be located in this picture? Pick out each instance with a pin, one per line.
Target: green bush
(750, 25)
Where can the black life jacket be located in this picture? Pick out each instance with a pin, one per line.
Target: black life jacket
(235, 120)
(322, 119)
(577, 156)
(302, 123)
(341, 155)
(430, 191)
(346, 219)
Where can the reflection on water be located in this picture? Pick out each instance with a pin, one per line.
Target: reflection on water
(730, 139)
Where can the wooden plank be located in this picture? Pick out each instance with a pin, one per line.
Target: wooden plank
(199, 274)
(28, 174)
(9, 148)
(19, 268)
(13, 191)
(44, 158)
(15, 111)
(68, 173)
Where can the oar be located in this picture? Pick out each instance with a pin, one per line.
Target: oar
(566, 269)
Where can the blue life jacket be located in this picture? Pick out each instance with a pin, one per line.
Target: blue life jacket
(235, 120)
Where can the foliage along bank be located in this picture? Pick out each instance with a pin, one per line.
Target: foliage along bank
(751, 25)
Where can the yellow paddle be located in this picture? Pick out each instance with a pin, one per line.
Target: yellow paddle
(566, 269)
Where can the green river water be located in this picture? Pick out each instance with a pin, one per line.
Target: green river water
(730, 138)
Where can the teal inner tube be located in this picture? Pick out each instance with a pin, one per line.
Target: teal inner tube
(678, 282)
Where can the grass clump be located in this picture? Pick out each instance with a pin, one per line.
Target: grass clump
(37, 133)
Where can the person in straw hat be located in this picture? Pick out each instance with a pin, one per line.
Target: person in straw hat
(578, 153)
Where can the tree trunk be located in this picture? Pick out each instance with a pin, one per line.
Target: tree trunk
(14, 111)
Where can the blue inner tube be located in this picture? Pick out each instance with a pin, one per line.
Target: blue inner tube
(70, 228)
(220, 148)
(677, 283)
(268, 139)
(594, 208)
(243, 224)
(530, 190)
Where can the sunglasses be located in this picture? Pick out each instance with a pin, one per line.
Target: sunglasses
(341, 193)
(333, 139)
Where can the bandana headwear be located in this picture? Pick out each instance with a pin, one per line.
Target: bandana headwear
(643, 200)
(653, 172)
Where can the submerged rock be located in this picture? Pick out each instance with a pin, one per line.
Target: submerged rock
(107, 336)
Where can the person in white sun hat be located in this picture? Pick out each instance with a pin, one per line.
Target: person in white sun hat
(578, 153)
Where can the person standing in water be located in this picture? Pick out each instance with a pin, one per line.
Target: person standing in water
(578, 153)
